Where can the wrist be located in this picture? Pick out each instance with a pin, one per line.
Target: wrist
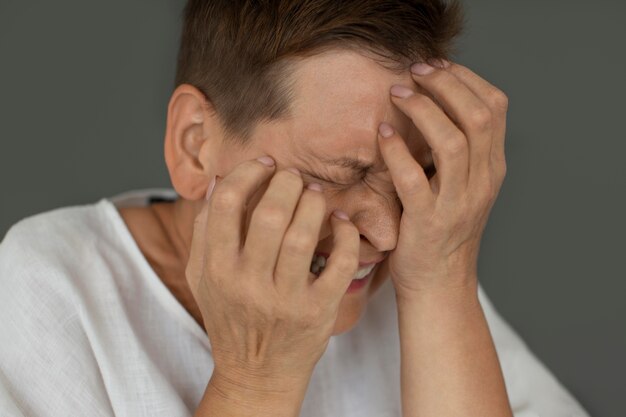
(276, 396)
(460, 296)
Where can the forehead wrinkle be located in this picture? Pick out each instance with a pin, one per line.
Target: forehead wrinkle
(346, 93)
(344, 87)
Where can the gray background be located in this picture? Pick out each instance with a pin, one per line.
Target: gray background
(84, 87)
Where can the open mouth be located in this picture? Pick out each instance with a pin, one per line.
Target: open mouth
(319, 263)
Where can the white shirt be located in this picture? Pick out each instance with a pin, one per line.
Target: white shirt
(87, 328)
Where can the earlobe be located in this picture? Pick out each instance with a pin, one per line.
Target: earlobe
(190, 142)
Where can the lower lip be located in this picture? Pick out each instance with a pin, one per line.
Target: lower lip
(357, 284)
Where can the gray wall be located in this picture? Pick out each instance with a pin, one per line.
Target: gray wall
(83, 94)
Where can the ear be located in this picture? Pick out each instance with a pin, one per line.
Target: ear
(192, 142)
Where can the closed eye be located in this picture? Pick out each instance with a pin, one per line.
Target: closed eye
(324, 179)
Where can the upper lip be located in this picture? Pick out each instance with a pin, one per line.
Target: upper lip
(361, 264)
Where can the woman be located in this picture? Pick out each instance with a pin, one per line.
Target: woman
(333, 174)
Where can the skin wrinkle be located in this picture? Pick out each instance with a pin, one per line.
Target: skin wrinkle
(367, 115)
(340, 98)
(346, 117)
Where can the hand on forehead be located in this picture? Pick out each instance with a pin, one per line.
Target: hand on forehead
(341, 97)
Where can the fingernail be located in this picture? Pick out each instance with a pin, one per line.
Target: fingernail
(314, 186)
(421, 68)
(294, 170)
(385, 130)
(266, 160)
(401, 91)
(209, 190)
(341, 215)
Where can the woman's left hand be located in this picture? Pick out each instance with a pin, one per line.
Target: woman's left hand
(444, 217)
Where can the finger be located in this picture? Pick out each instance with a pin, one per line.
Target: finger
(342, 263)
(227, 207)
(466, 109)
(497, 101)
(197, 252)
(298, 246)
(270, 220)
(407, 174)
(449, 145)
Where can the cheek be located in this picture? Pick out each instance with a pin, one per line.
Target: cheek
(360, 195)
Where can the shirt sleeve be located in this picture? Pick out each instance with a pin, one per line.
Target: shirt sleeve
(532, 389)
(47, 367)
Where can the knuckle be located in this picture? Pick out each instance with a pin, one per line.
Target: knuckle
(499, 100)
(283, 312)
(480, 119)
(347, 265)
(409, 181)
(248, 298)
(488, 193)
(456, 144)
(268, 311)
(439, 226)
(224, 199)
(298, 243)
(311, 315)
(271, 217)
(213, 266)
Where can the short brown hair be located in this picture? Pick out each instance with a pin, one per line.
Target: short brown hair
(238, 52)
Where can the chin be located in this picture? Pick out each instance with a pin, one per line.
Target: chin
(353, 306)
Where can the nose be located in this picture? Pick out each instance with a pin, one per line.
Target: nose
(377, 217)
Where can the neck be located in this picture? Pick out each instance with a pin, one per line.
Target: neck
(176, 220)
(176, 228)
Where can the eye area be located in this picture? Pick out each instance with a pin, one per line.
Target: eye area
(335, 183)
(429, 171)
(321, 178)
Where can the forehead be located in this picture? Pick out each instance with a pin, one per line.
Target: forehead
(340, 98)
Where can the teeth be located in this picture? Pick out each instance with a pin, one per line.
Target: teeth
(319, 262)
(361, 273)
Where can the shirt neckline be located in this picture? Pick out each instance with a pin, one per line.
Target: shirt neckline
(163, 293)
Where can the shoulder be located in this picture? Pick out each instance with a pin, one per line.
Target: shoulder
(49, 261)
(52, 230)
(43, 256)
(44, 246)
(41, 259)
(57, 257)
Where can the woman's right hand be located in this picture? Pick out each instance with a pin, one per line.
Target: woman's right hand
(268, 318)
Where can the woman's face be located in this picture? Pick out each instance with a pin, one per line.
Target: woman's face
(341, 98)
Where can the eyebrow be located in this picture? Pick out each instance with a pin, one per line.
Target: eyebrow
(360, 167)
(357, 166)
